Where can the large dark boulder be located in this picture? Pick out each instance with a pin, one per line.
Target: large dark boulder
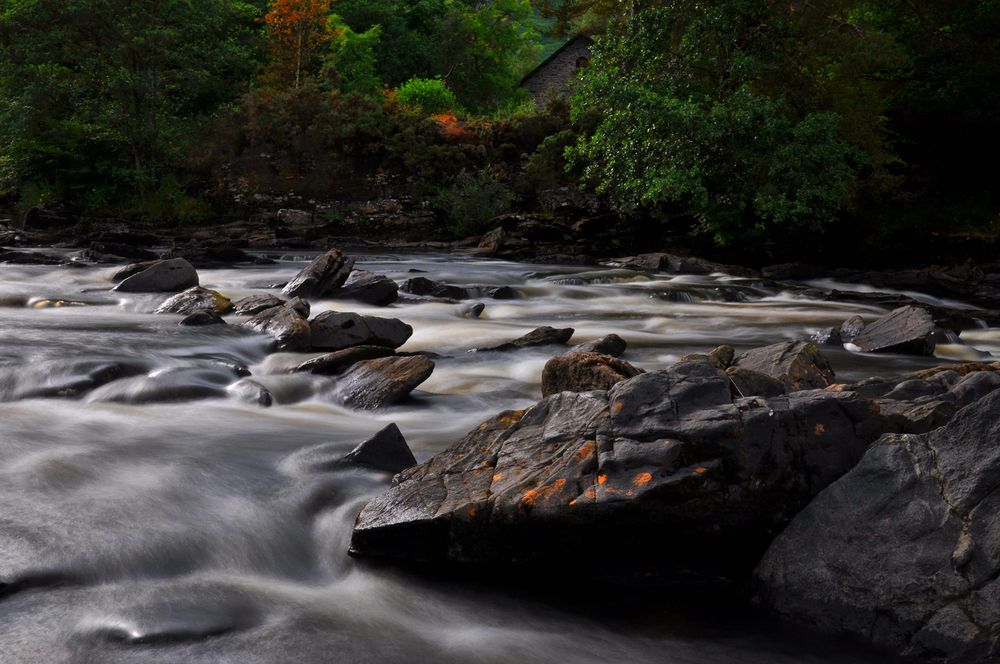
(904, 550)
(166, 276)
(196, 299)
(333, 330)
(289, 328)
(905, 330)
(797, 364)
(667, 465)
(387, 451)
(368, 287)
(582, 372)
(371, 384)
(321, 277)
(542, 336)
(426, 287)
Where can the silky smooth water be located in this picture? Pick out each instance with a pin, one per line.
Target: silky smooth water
(199, 532)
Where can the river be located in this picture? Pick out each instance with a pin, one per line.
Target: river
(194, 532)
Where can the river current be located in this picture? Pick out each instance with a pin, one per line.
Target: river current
(194, 532)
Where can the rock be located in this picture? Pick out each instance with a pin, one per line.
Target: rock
(334, 363)
(254, 304)
(167, 276)
(905, 330)
(99, 250)
(471, 310)
(387, 450)
(902, 551)
(369, 288)
(196, 299)
(371, 384)
(492, 242)
(64, 379)
(851, 328)
(610, 344)
(300, 305)
(323, 275)
(666, 466)
(333, 330)
(829, 337)
(748, 383)
(542, 336)
(289, 329)
(132, 268)
(582, 372)
(173, 385)
(797, 364)
(426, 287)
(30, 258)
(722, 357)
(251, 392)
(202, 317)
(672, 264)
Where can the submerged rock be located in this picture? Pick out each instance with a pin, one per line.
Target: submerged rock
(471, 310)
(582, 372)
(166, 276)
(797, 364)
(905, 330)
(371, 384)
(172, 385)
(903, 550)
(252, 392)
(387, 450)
(334, 363)
(332, 330)
(196, 299)
(542, 336)
(325, 274)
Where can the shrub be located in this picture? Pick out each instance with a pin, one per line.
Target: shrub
(427, 95)
(473, 200)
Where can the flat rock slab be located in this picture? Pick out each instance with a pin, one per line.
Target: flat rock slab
(167, 276)
(905, 330)
(542, 336)
(337, 362)
(254, 304)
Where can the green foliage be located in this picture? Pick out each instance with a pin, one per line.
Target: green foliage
(427, 95)
(102, 93)
(734, 113)
(352, 61)
(473, 200)
(479, 48)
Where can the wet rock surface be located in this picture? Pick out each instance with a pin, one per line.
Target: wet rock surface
(905, 330)
(289, 328)
(372, 384)
(196, 299)
(166, 276)
(334, 363)
(610, 344)
(902, 551)
(386, 451)
(426, 287)
(321, 277)
(368, 287)
(797, 364)
(332, 330)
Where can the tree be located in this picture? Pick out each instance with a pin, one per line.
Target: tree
(97, 94)
(750, 117)
(297, 29)
(351, 64)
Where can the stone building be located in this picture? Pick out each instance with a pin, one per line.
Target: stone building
(552, 78)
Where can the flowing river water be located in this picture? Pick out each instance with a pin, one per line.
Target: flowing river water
(197, 532)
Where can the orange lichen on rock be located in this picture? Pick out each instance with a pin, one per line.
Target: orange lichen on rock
(586, 450)
(472, 511)
(543, 491)
(820, 428)
(642, 479)
(701, 470)
(617, 407)
(601, 479)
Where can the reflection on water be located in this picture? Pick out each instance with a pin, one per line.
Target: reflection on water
(134, 533)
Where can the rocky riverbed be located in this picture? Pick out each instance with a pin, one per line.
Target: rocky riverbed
(191, 449)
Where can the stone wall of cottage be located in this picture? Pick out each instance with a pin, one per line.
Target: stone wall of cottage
(554, 77)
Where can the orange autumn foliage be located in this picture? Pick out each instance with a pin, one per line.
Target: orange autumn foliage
(296, 29)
